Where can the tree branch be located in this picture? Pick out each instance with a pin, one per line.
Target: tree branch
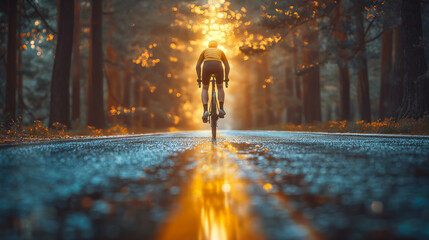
(33, 5)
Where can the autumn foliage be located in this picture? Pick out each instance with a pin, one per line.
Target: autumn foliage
(386, 126)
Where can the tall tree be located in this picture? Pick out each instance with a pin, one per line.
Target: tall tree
(19, 83)
(415, 101)
(96, 113)
(265, 115)
(77, 63)
(297, 80)
(60, 93)
(113, 76)
(127, 89)
(395, 79)
(362, 66)
(342, 62)
(247, 118)
(386, 62)
(289, 90)
(311, 76)
(10, 109)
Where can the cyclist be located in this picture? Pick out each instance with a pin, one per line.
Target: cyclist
(212, 57)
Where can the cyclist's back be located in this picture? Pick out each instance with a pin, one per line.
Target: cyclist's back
(212, 54)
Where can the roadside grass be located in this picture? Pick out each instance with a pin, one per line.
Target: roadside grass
(386, 126)
(37, 131)
(17, 132)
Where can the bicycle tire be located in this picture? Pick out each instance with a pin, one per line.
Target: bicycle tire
(213, 121)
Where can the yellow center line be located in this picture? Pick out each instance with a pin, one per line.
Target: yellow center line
(215, 204)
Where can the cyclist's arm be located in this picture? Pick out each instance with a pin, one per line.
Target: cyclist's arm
(199, 63)
(226, 64)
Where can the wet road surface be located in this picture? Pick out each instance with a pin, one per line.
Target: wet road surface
(246, 185)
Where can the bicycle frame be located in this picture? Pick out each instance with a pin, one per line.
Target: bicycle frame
(213, 107)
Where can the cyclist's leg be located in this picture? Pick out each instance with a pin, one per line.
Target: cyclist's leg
(219, 84)
(206, 81)
(205, 94)
(221, 94)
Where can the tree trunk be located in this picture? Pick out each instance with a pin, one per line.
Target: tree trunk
(297, 79)
(136, 102)
(311, 78)
(363, 82)
(395, 79)
(415, 101)
(386, 65)
(60, 93)
(96, 114)
(343, 64)
(113, 77)
(265, 115)
(19, 82)
(10, 110)
(126, 96)
(247, 119)
(290, 108)
(77, 63)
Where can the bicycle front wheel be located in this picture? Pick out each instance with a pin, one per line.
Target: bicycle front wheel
(214, 116)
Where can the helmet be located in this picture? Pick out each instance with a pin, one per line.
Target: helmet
(212, 44)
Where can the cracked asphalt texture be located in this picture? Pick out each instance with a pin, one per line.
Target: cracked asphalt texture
(300, 185)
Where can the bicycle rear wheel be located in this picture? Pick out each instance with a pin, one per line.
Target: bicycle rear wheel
(214, 116)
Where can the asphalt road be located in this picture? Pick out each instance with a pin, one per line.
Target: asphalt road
(246, 185)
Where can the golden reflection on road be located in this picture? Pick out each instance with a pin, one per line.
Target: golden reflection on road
(215, 205)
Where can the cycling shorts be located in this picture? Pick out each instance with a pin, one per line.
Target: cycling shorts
(212, 67)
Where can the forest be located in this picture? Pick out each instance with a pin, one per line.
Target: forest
(103, 63)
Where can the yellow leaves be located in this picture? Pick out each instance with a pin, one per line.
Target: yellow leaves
(243, 9)
(268, 187)
(172, 59)
(170, 91)
(173, 46)
(178, 95)
(36, 23)
(50, 37)
(176, 119)
(145, 59)
(296, 15)
(23, 47)
(152, 89)
(174, 9)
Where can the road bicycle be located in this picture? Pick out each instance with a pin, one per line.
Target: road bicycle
(213, 106)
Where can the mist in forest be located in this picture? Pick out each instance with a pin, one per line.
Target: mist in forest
(131, 63)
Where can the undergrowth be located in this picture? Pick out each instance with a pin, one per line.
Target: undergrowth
(17, 132)
(387, 126)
